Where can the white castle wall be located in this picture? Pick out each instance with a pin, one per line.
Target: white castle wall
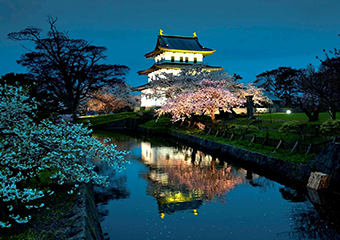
(166, 56)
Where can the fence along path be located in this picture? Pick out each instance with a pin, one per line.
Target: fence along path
(277, 143)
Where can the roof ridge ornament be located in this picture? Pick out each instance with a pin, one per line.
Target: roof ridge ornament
(160, 32)
(195, 35)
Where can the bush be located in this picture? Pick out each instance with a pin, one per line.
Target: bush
(295, 127)
(330, 126)
(243, 129)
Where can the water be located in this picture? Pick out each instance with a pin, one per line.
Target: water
(171, 191)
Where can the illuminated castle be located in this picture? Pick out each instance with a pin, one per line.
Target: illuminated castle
(171, 54)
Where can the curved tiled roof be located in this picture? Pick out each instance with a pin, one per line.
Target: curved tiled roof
(180, 44)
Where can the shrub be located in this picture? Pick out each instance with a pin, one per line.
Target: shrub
(243, 129)
(295, 127)
(330, 126)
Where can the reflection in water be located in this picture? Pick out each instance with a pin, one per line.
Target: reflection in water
(308, 223)
(200, 196)
(181, 178)
(211, 182)
(292, 195)
(116, 190)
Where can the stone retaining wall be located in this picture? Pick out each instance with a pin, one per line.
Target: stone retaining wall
(84, 216)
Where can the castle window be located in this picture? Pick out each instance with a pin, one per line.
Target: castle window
(172, 58)
(181, 59)
(186, 59)
(195, 60)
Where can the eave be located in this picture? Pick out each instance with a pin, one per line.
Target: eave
(140, 88)
(160, 50)
(175, 66)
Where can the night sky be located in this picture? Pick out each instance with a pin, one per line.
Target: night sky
(249, 36)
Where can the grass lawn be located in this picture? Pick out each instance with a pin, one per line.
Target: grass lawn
(162, 123)
(271, 123)
(323, 116)
(105, 118)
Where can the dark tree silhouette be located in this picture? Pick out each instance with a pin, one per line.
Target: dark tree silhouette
(71, 69)
(320, 88)
(281, 82)
(313, 93)
(330, 73)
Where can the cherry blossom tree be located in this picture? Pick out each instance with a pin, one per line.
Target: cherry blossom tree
(188, 80)
(27, 150)
(211, 97)
(257, 93)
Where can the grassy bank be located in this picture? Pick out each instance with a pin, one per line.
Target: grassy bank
(95, 120)
(264, 125)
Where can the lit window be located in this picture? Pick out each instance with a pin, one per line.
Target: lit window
(181, 59)
(172, 59)
(186, 59)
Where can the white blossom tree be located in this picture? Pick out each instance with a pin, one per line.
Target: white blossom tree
(208, 100)
(27, 149)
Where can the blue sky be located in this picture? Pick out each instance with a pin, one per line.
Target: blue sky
(249, 36)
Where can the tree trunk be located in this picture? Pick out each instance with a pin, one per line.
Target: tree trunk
(212, 164)
(313, 116)
(213, 119)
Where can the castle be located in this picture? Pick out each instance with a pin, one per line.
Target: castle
(171, 54)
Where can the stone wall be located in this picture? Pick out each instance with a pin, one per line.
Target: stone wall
(328, 161)
(84, 218)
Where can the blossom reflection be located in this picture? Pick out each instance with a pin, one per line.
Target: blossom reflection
(182, 178)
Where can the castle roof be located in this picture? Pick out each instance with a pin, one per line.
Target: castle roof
(176, 66)
(169, 43)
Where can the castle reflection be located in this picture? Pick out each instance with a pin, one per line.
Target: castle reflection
(181, 178)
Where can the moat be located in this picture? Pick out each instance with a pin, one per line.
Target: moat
(172, 191)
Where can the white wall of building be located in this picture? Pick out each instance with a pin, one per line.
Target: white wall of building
(191, 57)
